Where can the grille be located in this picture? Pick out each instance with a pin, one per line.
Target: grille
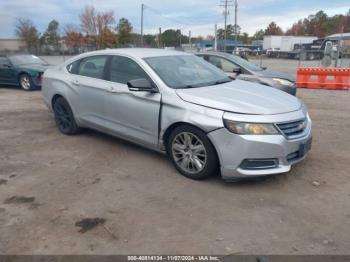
(292, 129)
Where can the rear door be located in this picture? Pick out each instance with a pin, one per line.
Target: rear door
(89, 90)
(132, 114)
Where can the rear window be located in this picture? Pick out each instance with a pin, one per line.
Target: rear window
(73, 67)
(90, 66)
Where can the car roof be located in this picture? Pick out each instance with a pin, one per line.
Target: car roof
(138, 52)
(215, 53)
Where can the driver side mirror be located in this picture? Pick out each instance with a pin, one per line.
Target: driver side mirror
(141, 85)
(237, 70)
(6, 65)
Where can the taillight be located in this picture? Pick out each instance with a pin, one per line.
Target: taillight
(41, 77)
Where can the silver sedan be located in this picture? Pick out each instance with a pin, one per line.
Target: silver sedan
(179, 104)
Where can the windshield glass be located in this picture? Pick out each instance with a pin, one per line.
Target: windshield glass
(25, 59)
(186, 71)
(244, 63)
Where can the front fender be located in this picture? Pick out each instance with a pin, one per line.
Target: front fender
(176, 111)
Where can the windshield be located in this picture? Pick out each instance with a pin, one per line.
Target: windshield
(186, 71)
(244, 63)
(25, 59)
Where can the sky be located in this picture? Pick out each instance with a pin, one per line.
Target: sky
(199, 16)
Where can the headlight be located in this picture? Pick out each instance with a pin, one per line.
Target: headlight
(242, 128)
(283, 82)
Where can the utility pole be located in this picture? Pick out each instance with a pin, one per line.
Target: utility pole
(160, 38)
(215, 38)
(180, 39)
(225, 4)
(189, 39)
(236, 7)
(142, 9)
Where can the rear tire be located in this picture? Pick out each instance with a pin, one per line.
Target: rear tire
(192, 153)
(64, 117)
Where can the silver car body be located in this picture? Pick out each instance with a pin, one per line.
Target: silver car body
(146, 118)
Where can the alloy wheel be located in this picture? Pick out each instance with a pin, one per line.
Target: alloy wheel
(189, 152)
(63, 117)
(25, 82)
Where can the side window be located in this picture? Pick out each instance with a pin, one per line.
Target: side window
(73, 67)
(123, 69)
(3, 61)
(92, 66)
(222, 63)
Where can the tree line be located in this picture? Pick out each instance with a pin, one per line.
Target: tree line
(98, 30)
(319, 24)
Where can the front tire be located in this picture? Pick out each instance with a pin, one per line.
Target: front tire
(64, 117)
(26, 82)
(192, 153)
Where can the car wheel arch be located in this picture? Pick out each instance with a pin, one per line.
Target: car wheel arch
(54, 98)
(21, 73)
(172, 127)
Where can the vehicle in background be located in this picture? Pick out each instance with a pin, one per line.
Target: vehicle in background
(306, 48)
(315, 50)
(24, 70)
(177, 103)
(285, 46)
(241, 52)
(236, 67)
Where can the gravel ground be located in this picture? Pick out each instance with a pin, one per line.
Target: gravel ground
(49, 182)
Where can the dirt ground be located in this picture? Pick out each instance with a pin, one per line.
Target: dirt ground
(49, 182)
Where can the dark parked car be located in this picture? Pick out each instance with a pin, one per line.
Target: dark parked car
(23, 70)
(239, 68)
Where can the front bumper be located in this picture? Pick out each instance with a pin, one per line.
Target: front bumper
(234, 149)
(37, 82)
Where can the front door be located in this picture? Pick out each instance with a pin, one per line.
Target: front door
(132, 114)
(7, 75)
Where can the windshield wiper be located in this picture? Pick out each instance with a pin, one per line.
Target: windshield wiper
(188, 86)
(206, 84)
(220, 82)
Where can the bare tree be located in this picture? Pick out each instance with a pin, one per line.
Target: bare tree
(73, 38)
(25, 29)
(88, 21)
(98, 27)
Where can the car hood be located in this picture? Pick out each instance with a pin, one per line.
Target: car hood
(241, 97)
(36, 67)
(275, 74)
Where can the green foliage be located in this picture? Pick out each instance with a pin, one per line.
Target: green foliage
(259, 35)
(173, 37)
(150, 40)
(320, 24)
(51, 36)
(124, 28)
(230, 32)
(273, 29)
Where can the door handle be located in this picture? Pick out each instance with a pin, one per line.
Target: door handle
(112, 89)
